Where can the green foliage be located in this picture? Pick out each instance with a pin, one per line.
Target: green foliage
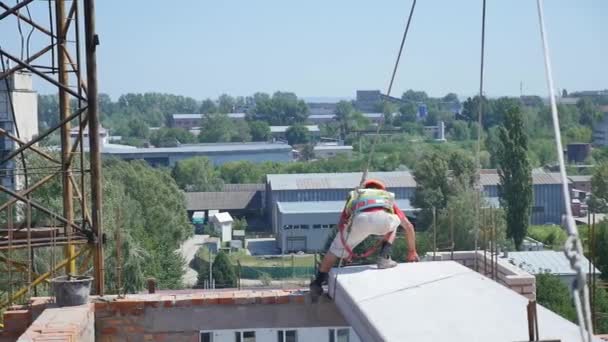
(460, 131)
(555, 296)
(226, 104)
(601, 248)
(171, 137)
(552, 236)
(599, 182)
(260, 130)
(282, 108)
(240, 224)
(208, 106)
(265, 278)
(223, 271)
(308, 152)
(515, 188)
(297, 134)
(152, 211)
(589, 112)
(216, 128)
(197, 174)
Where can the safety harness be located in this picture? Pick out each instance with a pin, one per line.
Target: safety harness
(359, 201)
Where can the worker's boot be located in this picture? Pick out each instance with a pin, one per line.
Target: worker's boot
(316, 286)
(384, 259)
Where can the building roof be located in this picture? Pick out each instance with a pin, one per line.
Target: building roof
(333, 148)
(227, 200)
(311, 181)
(244, 187)
(222, 218)
(553, 262)
(538, 178)
(283, 129)
(327, 207)
(457, 304)
(198, 116)
(581, 178)
(206, 148)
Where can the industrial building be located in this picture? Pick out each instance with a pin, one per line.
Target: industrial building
(296, 203)
(218, 153)
(190, 121)
(331, 150)
(19, 101)
(279, 132)
(318, 119)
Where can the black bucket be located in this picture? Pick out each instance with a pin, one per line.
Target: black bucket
(71, 291)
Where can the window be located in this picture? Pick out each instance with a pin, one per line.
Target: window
(287, 226)
(287, 336)
(339, 335)
(206, 337)
(304, 226)
(316, 226)
(325, 226)
(244, 336)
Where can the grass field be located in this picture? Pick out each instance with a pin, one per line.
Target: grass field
(306, 260)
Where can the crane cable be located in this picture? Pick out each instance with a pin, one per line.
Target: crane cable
(479, 131)
(573, 247)
(375, 141)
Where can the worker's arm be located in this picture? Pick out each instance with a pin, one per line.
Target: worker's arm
(410, 234)
(345, 214)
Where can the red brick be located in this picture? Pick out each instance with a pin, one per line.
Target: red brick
(183, 303)
(111, 330)
(160, 337)
(211, 298)
(152, 304)
(296, 298)
(282, 299)
(226, 298)
(134, 329)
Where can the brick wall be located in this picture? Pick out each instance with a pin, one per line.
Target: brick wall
(506, 273)
(181, 317)
(66, 324)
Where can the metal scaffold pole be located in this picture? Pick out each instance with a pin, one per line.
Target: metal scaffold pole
(91, 42)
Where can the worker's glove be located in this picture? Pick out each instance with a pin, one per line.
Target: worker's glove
(412, 256)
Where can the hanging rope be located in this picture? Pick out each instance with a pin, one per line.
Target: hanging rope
(479, 131)
(573, 247)
(372, 151)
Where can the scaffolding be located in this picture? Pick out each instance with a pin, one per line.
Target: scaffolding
(76, 230)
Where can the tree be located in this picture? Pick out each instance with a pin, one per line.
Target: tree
(240, 224)
(282, 108)
(260, 130)
(240, 132)
(432, 187)
(599, 186)
(414, 96)
(554, 295)
(138, 128)
(241, 172)
(515, 188)
(223, 271)
(197, 174)
(308, 152)
(208, 106)
(450, 97)
(460, 130)
(226, 104)
(344, 115)
(297, 134)
(171, 137)
(589, 113)
(216, 128)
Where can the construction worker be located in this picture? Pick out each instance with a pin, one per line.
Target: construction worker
(373, 211)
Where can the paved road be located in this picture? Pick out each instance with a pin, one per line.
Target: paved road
(188, 250)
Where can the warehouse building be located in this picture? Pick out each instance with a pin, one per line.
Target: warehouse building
(219, 153)
(303, 208)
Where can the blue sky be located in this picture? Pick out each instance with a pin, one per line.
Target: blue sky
(327, 48)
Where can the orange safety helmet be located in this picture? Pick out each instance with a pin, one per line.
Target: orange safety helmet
(373, 184)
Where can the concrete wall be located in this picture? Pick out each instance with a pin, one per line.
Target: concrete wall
(271, 335)
(506, 274)
(182, 318)
(316, 237)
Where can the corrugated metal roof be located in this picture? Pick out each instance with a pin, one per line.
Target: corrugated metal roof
(235, 200)
(202, 148)
(326, 207)
(199, 116)
(283, 129)
(311, 181)
(545, 261)
(582, 178)
(488, 178)
(333, 147)
(244, 187)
